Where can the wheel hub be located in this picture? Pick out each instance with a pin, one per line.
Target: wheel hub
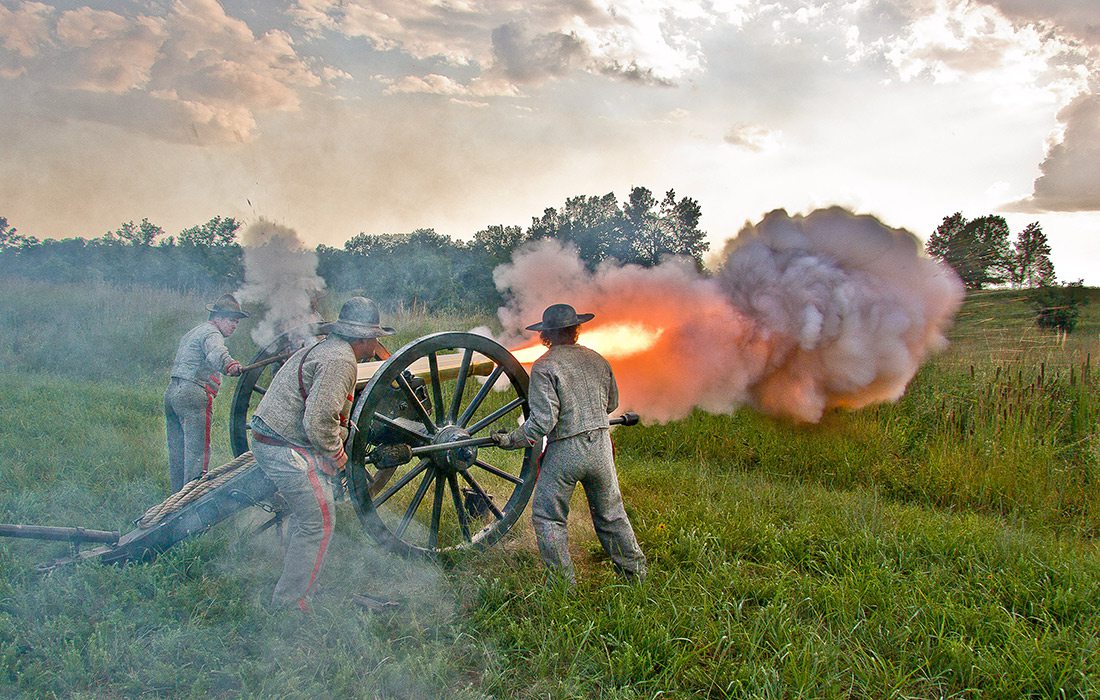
(454, 460)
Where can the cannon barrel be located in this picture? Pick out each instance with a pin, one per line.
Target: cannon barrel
(64, 534)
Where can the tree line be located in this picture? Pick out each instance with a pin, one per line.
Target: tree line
(435, 271)
(422, 267)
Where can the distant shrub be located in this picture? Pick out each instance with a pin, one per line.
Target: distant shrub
(1058, 308)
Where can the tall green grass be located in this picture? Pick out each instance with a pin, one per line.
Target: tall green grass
(942, 546)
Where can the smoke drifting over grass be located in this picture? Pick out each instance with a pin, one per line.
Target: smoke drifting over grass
(281, 273)
(806, 313)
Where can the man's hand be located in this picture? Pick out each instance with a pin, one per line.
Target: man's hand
(509, 441)
(234, 369)
(338, 460)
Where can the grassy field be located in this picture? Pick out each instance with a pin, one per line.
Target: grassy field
(943, 546)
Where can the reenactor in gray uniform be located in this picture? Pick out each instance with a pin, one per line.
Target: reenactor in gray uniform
(298, 435)
(572, 391)
(200, 361)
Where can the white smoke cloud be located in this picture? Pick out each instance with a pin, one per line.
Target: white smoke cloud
(806, 314)
(280, 273)
(848, 308)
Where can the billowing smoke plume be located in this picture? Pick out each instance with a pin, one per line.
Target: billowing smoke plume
(280, 273)
(806, 313)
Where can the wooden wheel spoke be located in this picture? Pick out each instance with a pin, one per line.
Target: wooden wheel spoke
(415, 402)
(496, 415)
(481, 492)
(437, 510)
(497, 471)
(460, 384)
(413, 505)
(437, 387)
(418, 437)
(456, 497)
(479, 397)
(400, 483)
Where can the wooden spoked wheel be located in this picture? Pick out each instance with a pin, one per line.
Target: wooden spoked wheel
(437, 390)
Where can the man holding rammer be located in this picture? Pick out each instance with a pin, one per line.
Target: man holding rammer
(571, 393)
(189, 400)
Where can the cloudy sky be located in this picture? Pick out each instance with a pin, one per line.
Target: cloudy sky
(336, 117)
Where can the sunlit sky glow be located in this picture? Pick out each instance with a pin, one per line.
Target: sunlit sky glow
(336, 117)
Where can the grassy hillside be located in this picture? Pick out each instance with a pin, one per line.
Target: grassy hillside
(941, 546)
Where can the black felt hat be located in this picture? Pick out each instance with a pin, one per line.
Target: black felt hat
(227, 305)
(560, 316)
(359, 318)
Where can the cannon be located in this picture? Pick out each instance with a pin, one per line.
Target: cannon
(423, 475)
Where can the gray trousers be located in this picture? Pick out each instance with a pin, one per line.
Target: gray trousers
(586, 459)
(187, 411)
(309, 496)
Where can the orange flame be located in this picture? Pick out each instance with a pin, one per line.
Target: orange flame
(613, 341)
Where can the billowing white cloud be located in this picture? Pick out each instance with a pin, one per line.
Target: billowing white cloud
(107, 52)
(528, 42)
(192, 73)
(959, 39)
(753, 137)
(1069, 181)
(1023, 54)
(435, 84)
(24, 32)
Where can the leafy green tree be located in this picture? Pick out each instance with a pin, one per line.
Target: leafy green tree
(369, 244)
(208, 253)
(1032, 266)
(496, 243)
(421, 268)
(653, 231)
(142, 234)
(977, 249)
(642, 232)
(217, 233)
(12, 240)
(591, 223)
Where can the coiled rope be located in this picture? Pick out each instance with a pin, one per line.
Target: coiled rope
(195, 489)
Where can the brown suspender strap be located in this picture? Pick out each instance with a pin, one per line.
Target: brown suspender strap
(301, 382)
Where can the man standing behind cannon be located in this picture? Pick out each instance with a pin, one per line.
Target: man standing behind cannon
(189, 399)
(298, 434)
(571, 393)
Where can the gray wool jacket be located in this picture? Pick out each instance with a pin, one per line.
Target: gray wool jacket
(202, 357)
(320, 421)
(572, 391)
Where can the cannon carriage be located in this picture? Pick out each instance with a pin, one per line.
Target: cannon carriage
(436, 395)
(422, 475)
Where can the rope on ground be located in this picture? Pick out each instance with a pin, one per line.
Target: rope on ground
(195, 489)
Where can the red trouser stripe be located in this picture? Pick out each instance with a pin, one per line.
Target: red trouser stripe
(326, 524)
(206, 439)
